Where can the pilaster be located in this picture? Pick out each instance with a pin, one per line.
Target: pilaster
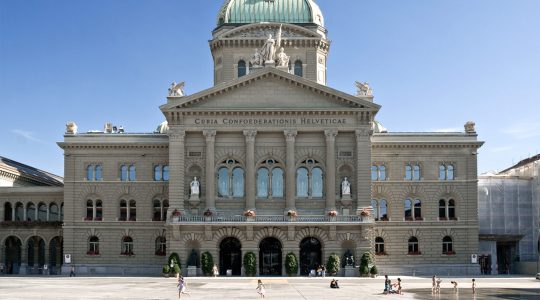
(330, 169)
(363, 167)
(250, 168)
(177, 166)
(210, 136)
(290, 170)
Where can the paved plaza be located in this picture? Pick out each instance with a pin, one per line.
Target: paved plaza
(244, 288)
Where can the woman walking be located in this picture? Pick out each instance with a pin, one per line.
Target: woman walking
(260, 288)
(182, 286)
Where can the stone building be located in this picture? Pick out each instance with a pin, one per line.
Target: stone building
(509, 219)
(270, 160)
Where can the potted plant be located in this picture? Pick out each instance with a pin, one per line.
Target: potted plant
(374, 271)
(208, 215)
(166, 270)
(207, 263)
(291, 264)
(176, 215)
(292, 214)
(333, 264)
(250, 264)
(365, 261)
(250, 215)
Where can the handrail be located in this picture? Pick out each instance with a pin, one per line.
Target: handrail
(271, 219)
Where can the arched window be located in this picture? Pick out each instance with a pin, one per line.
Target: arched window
(127, 246)
(309, 179)
(8, 212)
(132, 210)
(378, 172)
(132, 173)
(230, 179)
(416, 172)
(447, 247)
(99, 173)
(451, 209)
(165, 173)
(30, 212)
(413, 246)
(89, 210)
(42, 212)
(242, 70)
(53, 212)
(408, 210)
(90, 173)
(375, 207)
(442, 209)
(442, 172)
(160, 210)
(446, 171)
(19, 212)
(99, 210)
(157, 173)
(408, 172)
(124, 173)
(383, 208)
(379, 246)
(450, 172)
(418, 209)
(161, 173)
(161, 246)
(128, 173)
(298, 68)
(93, 246)
(123, 211)
(270, 179)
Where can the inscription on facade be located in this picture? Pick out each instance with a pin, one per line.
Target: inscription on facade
(271, 122)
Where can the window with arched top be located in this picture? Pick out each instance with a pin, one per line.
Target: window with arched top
(94, 210)
(442, 209)
(161, 246)
(380, 210)
(452, 209)
(230, 179)
(8, 212)
(298, 68)
(412, 171)
(31, 212)
(447, 209)
(413, 246)
(309, 179)
(128, 173)
(270, 179)
(446, 171)
(379, 246)
(242, 68)
(413, 209)
(89, 210)
(132, 210)
(123, 211)
(418, 209)
(160, 209)
(99, 210)
(94, 172)
(447, 246)
(53, 212)
(378, 173)
(19, 212)
(127, 246)
(42, 212)
(161, 173)
(93, 246)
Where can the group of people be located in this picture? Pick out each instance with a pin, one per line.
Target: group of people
(320, 271)
(392, 288)
(436, 285)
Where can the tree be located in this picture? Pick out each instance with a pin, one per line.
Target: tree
(365, 261)
(333, 264)
(291, 264)
(250, 264)
(207, 263)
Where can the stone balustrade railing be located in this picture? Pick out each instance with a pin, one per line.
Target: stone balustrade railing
(270, 219)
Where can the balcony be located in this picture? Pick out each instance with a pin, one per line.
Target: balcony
(235, 219)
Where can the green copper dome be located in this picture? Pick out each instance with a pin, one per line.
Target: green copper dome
(278, 11)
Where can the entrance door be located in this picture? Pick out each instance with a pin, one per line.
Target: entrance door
(230, 256)
(270, 257)
(310, 255)
(506, 255)
(12, 255)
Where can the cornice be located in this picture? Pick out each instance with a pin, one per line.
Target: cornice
(67, 145)
(406, 145)
(20, 177)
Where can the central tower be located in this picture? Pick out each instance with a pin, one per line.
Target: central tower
(243, 26)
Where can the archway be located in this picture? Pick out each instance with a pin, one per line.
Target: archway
(55, 256)
(230, 256)
(36, 254)
(310, 255)
(270, 257)
(12, 255)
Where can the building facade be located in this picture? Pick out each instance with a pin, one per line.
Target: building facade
(270, 160)
(509, 219)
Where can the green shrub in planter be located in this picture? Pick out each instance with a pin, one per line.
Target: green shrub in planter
(333, 264)
(365, 261)
(374, 270)
(174, 258)
(207, 263)
(291, 264)
(166, 269)
(250, 264)
(176, 269)
(364, 270)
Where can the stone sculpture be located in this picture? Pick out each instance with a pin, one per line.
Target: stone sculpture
(345, 186)
(256, 59)
(282, 58)
(177, 90)
(195, 187)
(363, 89)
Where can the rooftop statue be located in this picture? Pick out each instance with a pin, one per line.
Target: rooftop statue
(268, 50)
(177, 90)
(282, 58)
(256, 60)
(363, 89)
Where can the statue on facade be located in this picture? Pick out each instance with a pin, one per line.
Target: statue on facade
(348, 258)
(195, 187)
(345, 186)
(177, 90)
(256, 60)
(363, 89)
(282, 58)
(193, 259)
(71, 128)
(268, 50)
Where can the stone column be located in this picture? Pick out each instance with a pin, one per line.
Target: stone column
(24, 259)
(290, 170)
(209, 169)
(13, 214)
(330, 169)
(46, 260)
(250, 168)
(363, 167)
(176, 165)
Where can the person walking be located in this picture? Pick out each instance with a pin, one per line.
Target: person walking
(438, 288)
(182, 286)
(474, 286)
(454, 283)
(215, 271)
(72, 272)
(433, 284)
(386, 282)
(260, 289)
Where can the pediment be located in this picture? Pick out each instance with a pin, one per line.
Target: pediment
(261, 30)
(270, 89)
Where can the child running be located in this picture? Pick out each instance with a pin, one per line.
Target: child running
(260, 288)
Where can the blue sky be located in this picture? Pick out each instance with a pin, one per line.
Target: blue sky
(433, 66)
